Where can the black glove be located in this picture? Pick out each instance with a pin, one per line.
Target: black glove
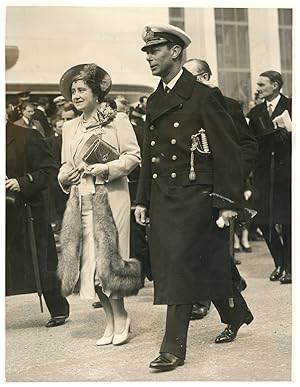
(281, 135)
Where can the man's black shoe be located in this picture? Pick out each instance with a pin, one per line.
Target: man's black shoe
(56, 321)
(276, 274)
(97, 304)
(286, 278)
(230, 332)
(241, 285)
(198, 312)
(166, 362)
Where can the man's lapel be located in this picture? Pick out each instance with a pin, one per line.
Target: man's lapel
(281, 106)
(162, 102)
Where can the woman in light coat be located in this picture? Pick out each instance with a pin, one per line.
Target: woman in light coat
(95, 228)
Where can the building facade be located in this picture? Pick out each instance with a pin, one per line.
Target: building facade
(238, 43)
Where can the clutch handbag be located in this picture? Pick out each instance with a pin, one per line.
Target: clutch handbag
(99, 151)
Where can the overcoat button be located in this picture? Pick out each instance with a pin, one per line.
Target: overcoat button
(173, 141)
(180, 106)
(176, 124)
(152, 127)
(154, 175)
(152, 143)
(173, 175)
(174, 157)
(153, 159)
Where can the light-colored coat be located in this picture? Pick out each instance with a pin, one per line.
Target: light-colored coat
(119, 134)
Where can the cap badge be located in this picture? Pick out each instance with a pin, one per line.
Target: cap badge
(149, 34)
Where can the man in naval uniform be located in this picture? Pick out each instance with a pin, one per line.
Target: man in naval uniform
(191, 184)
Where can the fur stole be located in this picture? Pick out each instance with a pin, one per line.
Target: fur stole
(117, 275)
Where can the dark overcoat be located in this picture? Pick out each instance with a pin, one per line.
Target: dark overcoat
(277, 141)
(28, 153)
(34, 124)
(249, 145)
(189, 254)
(40, 116)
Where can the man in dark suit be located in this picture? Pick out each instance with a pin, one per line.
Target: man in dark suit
(249, 148)
(22, 98)
(27, 121)
(272, 174)
(29, 170)
(40, 114)
(189, 139)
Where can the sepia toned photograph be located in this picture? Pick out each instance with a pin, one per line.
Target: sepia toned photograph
(148, 207)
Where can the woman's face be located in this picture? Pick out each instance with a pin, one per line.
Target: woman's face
(82, 96)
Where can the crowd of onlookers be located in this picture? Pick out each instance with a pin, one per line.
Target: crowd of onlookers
(48, 116)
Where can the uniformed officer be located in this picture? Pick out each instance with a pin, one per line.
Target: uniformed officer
(191, 183)
(23, 98)
(59, 102)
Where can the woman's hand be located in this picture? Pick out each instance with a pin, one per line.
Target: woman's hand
(69, 175)
(12, 185)
(224, 217)
(97, 169)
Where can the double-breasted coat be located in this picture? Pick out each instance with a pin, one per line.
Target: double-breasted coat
(190, 257)
(277, 141)
(28, 153)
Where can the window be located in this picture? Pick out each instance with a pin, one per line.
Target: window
(233, 53)
(176, 18)
(285, 23)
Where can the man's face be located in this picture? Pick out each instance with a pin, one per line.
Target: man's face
(67, 115)
(266, 88)
(160, 59)
(144, 102)
(28, 112)
(199, 74)
(60, 106)
(58, 127)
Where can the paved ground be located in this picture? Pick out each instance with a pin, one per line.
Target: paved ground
(262, 351)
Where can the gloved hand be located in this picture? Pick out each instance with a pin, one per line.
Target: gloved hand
(281, 135)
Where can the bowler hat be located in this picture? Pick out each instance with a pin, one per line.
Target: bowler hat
(86, 71)
(164, 33)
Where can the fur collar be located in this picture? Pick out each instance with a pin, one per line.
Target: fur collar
(117, 276)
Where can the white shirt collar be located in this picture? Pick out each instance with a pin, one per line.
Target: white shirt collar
(26, 120)
(274, 102)
(173, 81)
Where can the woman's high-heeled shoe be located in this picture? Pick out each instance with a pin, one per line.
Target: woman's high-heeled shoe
(246, 249)
(122, 337)
(105, 340)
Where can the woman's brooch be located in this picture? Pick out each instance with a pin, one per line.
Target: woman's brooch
(106, 114)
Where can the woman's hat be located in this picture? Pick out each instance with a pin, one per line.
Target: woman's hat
(86, 70)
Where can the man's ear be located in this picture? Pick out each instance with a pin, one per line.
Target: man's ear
(275, 85)
(176, 50)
